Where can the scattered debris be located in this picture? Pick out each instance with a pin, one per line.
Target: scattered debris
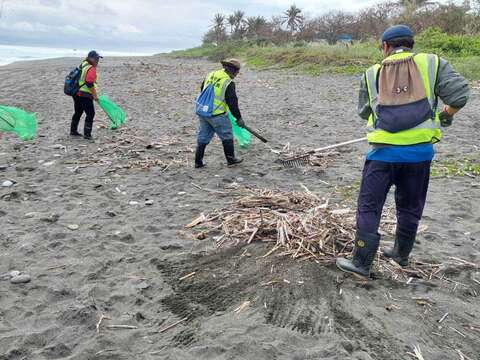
(304, 226)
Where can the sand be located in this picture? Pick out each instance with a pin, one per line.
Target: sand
(77, 221)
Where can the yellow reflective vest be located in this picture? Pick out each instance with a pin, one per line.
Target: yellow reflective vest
(84, 67)
(220, 80)
(428, 131)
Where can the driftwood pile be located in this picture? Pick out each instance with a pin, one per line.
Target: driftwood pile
(303, 226)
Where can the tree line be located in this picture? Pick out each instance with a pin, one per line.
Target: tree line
(368, 23)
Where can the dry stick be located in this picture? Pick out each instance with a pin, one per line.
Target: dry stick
(125, 327)
(100, 322)
(443, 318)
(173, 325)
(187, 276)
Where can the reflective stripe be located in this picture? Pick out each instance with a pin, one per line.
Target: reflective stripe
(429, 130)
(85, 66)
(222, 78)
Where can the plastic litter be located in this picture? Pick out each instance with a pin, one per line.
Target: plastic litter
(114, 112)
(18, 121)
(243, 137)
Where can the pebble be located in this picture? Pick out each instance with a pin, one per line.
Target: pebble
(73, 227)
(149, 202)
(182, 193)
(133, 203)
(20, 279)
(50, 163)
(30, 215)
(7, 183)
(58, 146)
(9, 275)
(240, 179)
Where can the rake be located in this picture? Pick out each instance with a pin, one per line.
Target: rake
(304, 159)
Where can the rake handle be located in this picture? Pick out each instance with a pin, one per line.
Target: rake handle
(256, 134)
(338, 145)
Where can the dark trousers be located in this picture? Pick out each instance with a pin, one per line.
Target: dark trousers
(83, 105)
(411, 185)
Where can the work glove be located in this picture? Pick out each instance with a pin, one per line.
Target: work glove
(241, 123)
(446, 119)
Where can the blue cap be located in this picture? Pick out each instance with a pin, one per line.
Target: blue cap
(397, 31)
(94, 55)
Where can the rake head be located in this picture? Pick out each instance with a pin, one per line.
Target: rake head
(295, 161)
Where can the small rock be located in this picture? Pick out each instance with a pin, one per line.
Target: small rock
(14, 273)
(50, 163)
(3, 167)
(58, 146)
(7, 183)
(240, 179)
(149, 202)
(20, 279)
(73, 227)
(9, 275)
(133, 203)
(182, 193)
(30, 215)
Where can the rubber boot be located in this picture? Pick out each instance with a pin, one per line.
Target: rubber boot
(366, 246)
(404, 241)
(229, 150)
(199, 154)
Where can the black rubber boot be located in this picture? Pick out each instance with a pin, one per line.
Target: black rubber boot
(75, 133)
(404, 241)
(229, 149)
(366, 246)
(199, 154)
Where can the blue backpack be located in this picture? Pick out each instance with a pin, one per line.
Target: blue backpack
(72, 81)
(204, 106)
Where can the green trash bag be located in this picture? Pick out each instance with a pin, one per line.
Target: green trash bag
(18, 121)
(114, 112)
(243, 137)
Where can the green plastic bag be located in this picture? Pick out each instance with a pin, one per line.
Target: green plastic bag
(114, 112)
(243, 137)
(18, 121)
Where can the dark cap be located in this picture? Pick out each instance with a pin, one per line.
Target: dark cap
(94, 55)
(397, 31)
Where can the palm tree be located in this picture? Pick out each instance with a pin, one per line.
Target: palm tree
(218, 27)
(293, 18)
(239, 16)
(255, 25)
(231, 20)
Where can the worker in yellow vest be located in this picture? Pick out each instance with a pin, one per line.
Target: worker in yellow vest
(87, 93)
(225, 100)
(399, 99)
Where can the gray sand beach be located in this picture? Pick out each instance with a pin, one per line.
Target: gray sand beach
(100, 229)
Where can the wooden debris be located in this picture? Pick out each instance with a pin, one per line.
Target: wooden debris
(102, 317)
(173, 325)
(242, 307)
(124, 327)
(187, 276)
(306, 227)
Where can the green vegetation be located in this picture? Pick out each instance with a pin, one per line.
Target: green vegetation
(344, 42)
(463, 51)
(451, 168)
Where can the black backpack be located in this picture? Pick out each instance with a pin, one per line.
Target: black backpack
(72, 80)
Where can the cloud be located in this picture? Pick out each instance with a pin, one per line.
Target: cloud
(134, 25)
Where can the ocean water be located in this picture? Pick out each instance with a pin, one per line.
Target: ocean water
(9, 53)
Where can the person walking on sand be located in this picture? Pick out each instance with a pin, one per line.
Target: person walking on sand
(225, 100)
(83, 100)
(399, 98)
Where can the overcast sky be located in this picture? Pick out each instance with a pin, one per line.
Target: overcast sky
(132, 25)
